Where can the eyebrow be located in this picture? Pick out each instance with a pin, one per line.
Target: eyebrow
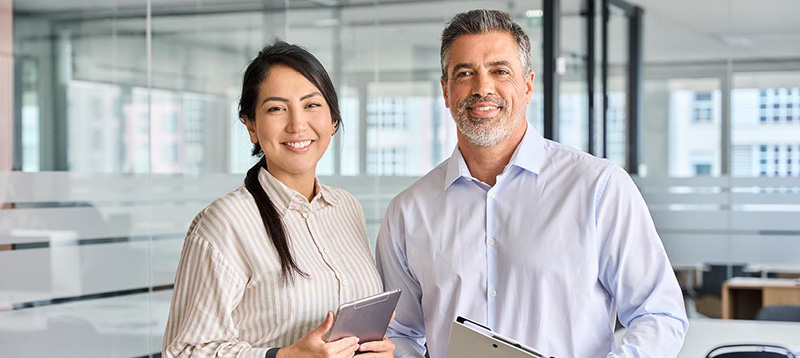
(460, 66)
(499, 63)
(281, 99)
(472, 65)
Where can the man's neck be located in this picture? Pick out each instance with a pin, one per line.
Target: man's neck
(486, 163)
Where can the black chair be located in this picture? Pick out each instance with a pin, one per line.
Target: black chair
(779, 313)
(750, 351)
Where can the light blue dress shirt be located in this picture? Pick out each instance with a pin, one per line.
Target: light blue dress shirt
(548, 256)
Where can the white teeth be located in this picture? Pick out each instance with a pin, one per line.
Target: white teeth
(486, 108)
(299, 145)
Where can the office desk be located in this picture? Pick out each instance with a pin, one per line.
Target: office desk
(707, 334)
(742, 297)
(766, 269)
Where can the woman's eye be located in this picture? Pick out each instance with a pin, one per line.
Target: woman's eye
(313, 105)
(274, 109)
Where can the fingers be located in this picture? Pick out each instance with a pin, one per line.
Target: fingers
(323, 328)
(385, 345)
(376, 355)
(343, 347)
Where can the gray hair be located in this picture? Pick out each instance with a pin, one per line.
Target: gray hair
(482, 21)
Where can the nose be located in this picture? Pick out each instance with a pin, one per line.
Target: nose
(298, 121)
(483, 85)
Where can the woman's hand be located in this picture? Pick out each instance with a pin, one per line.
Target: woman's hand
(377, 349)
(313, 344)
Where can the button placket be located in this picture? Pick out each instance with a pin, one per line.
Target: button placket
(491, 255)
(325, 252)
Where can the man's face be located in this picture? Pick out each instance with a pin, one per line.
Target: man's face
(486, 89)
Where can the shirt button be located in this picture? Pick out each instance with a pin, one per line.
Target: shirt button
(491, 242)
(325, 250)
(491, 195)
(492, 293)
(344, 282)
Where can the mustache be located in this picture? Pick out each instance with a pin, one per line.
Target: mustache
(469, 102)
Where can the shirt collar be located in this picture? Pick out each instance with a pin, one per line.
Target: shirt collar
(528, 156)
(456, 168)
(285, 198)
(530, 151)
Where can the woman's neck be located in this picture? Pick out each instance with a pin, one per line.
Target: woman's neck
(302, 183)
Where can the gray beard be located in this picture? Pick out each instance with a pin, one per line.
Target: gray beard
(485, 136)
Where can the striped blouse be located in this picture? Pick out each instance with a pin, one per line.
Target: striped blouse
(229, 299)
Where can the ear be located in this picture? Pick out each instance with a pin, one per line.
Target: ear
(443, 82)
(529, 86)
(251, 129)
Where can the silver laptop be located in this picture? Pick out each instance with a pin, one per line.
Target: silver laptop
(469, 339)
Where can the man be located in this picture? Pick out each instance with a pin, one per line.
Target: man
(541, 242)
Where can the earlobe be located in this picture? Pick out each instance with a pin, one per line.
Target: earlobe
(444, 91)
(251, 129)
(531, 78)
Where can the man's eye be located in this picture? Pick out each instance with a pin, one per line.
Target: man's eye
(502, 72)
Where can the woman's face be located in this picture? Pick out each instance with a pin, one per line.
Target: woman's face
(293, 124)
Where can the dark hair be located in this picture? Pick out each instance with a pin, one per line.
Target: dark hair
(479, 22)
(302, 61)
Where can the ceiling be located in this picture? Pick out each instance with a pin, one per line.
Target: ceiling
(675, 30)
(687, 30)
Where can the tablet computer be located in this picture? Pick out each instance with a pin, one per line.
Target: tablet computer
(469, 339)
(366, 318)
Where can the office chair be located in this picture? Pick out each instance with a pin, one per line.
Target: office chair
(716, 275)
(779, 313)
(750, 351)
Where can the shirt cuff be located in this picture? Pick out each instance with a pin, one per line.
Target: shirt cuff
(272, 353)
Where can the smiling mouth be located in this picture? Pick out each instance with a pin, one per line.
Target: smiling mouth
(299, 144)
(484, 110)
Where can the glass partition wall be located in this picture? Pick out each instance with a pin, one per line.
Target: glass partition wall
(122, 124)
(124, 118)
(720, 137)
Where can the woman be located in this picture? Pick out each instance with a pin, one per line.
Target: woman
(263, 265)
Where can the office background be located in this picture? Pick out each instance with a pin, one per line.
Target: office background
(118, 124)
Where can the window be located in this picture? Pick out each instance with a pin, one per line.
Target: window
(386, 161)
(776, 152)
(682, 115)
(703, 96)
(703, 107)
(762, 161)
(760, 101)
(702, 170)
(387, 113)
